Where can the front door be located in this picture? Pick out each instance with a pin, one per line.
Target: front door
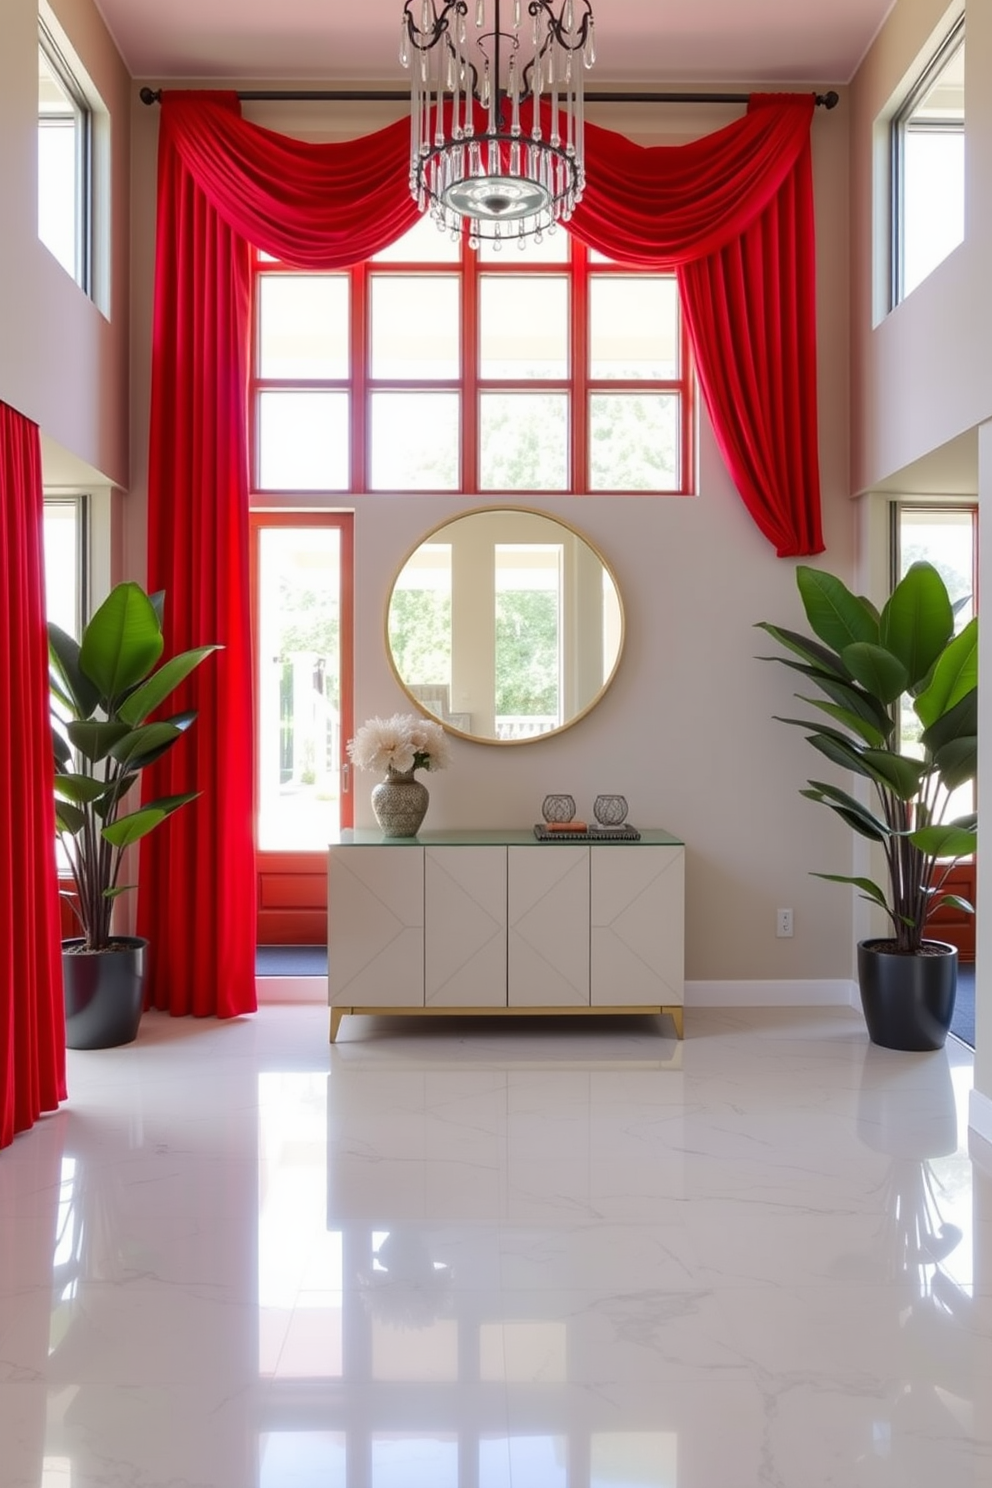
(302, 621)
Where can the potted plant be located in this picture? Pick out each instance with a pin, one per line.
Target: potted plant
(872, 669)
(104, 690)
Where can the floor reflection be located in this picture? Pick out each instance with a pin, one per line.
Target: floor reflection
(241, 1259)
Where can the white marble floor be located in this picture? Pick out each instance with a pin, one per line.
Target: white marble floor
(467, 1255)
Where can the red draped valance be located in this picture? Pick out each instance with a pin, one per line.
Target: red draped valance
(732, 213)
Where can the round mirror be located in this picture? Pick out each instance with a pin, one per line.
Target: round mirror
(505, 625)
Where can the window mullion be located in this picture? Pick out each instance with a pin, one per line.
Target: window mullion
(359, 354)
(469, 454)
(579, 367)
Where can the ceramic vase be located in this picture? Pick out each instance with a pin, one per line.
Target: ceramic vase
(400, 803)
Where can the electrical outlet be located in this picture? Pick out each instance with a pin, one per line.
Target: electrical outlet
(783, 923)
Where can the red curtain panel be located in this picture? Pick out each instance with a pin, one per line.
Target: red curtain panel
(196, 901)
(32, 1019)
(731, 212)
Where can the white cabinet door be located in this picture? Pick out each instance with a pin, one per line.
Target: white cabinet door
(375, 926)
(548, 936)
(638, 919)
(465, 926)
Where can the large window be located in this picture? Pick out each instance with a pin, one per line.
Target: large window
(64, 163)
(928, 168)
(947, 537)
(435, 368)
(65, 554)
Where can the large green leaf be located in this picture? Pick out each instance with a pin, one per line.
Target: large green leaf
(140, 745)
(122, 642)
(878, 671)
(899, 772)
(811, 651)
(95, 740)
(869, 890)
(959, 722)
(836, 615)
(852, 811)
(917, 620)
(180, 722)
(152, 692)
(69, 818)
(79, 788)
(957, 762)
(168, 804)
(77, 691)
(950, 901)
(954, 676)
(853, 698)
(944, 842)
(128, 829)
(860, 726)
(61, 751)
(839, 750)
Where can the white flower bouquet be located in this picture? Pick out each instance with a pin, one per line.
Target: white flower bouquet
(402, 743)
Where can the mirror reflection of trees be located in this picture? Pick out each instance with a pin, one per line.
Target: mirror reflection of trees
(504, 624)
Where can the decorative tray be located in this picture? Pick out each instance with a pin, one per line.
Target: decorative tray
(622, 833)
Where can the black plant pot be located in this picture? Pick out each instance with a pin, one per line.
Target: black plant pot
(908, 999)
(104, 993)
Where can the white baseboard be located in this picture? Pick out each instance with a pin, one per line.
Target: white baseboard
(812, 993)
(291, 989)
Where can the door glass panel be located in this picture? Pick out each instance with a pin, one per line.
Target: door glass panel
(528, 638)
(299, 687)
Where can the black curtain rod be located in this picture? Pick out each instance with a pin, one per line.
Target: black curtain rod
(391, 95)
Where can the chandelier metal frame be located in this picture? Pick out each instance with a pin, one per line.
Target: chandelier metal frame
(476, 154)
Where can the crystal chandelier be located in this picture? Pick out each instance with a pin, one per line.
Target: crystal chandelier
(496, 112)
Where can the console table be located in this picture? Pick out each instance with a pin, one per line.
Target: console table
(498, 923)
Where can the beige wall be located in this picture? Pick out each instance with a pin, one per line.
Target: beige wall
(686, 732)
(922, 375)
(63, 360)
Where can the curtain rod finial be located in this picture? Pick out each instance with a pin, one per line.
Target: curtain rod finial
(828, 100)
(150, 95)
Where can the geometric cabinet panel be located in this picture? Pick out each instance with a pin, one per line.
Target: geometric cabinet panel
(465, 930)
(548, 925)
(375, 935)
(637, 923)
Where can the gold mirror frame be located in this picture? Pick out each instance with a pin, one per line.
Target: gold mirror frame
(604, 642)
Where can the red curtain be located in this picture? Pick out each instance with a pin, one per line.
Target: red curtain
(32, 1018)
(731, 212)
(197, 892)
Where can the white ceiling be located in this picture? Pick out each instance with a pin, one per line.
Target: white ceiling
(639, 42)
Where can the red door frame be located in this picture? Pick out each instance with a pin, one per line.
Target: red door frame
(292, 886)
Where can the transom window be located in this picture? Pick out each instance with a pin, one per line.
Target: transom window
(433, 367)
(64, 163)
(928, 168)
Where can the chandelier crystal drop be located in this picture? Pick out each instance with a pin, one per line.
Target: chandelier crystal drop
(496, 112)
